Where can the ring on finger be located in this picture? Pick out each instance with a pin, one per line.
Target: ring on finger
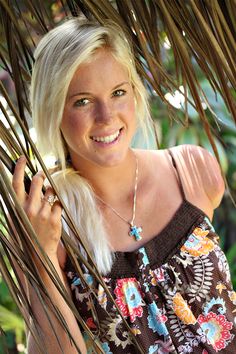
(51, 199)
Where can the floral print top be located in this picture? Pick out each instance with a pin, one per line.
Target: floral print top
(175, 293)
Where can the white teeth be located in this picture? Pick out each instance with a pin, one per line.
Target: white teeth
(106, 139)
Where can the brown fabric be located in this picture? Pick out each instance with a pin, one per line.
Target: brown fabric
(162, 246)
(175, 293)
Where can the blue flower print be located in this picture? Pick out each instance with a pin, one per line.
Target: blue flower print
(90, 347)
(153, 349)
(76, 281)
(145, 257)
(129, 298)
(88, 278)
(133, 297)
(209, 306)
(106, 348)
(88, 343)
(154, 320)
(209, 224)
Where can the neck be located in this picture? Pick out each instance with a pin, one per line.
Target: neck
(110, 182)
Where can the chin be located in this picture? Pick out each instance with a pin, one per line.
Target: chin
(112, 160)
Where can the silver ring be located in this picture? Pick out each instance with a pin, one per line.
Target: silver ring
(51, 199)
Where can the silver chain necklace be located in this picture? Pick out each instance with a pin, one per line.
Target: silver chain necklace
(134, 230)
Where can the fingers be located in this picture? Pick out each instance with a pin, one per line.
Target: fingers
(49, 198)
(18, 179)
(55, 207)
(35, 192)
(34, 202)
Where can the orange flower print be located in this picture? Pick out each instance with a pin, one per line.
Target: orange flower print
(157, 275)
(154, 281)
(182, 310)
(220, 287)
(198, 243)
(135, 330)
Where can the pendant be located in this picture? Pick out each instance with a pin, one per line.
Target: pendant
(135, 231)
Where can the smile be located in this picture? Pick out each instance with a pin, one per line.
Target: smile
(107, 139)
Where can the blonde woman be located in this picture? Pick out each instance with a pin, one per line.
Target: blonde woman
(144, 215)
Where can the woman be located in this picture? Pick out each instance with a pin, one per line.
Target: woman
(144, 215)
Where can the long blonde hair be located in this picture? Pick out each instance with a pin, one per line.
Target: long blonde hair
(57, 57)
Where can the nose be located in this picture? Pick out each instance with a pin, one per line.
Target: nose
(103, 112)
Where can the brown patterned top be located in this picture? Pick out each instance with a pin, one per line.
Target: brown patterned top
(175, 292)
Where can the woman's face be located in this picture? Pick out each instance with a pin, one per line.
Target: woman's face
(99, 115)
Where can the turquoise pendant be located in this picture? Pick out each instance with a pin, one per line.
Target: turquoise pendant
(135, 231)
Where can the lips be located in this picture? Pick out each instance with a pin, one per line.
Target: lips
(106, 138)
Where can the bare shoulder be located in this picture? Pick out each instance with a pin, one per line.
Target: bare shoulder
(151, 157)
(200, 170)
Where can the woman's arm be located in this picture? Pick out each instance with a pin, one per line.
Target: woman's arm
(200, 176)
(49, 339)
(46, 222)
(201, 161)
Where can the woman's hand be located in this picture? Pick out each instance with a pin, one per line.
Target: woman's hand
(45, 218)
(46, 221)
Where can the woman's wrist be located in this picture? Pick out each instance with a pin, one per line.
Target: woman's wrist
(42, 261)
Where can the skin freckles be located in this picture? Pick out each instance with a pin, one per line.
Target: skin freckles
(99, 105)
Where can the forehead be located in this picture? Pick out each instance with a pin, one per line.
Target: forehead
(102, 69)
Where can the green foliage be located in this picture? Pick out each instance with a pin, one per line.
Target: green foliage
(175, 133)
(11, 321)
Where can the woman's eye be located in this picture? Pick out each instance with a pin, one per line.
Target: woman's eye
(119, 93)
(81, 102)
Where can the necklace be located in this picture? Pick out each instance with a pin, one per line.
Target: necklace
(134, 230)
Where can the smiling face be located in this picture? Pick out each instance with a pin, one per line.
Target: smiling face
(99, 115)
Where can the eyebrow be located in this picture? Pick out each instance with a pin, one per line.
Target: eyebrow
(89, 93)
